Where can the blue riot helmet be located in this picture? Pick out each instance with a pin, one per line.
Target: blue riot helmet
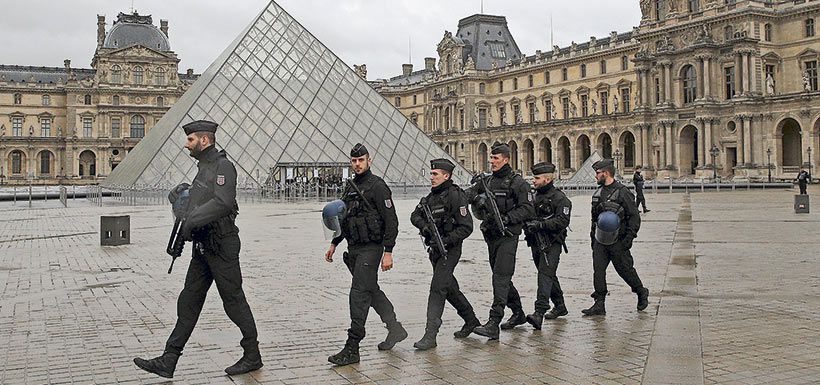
(180, 205)
(606, 230)
(332, 215)
(479, 207)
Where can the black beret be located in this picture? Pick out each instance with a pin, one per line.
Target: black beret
(442, 164)
(604, 164)
(199, 126)
(543, 168)
(358, 150)
(500, 148)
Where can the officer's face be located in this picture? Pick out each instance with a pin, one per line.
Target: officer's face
(195, 143)
(437, 177)
(542, 180)
(497, 161)
(603, 177)
(360, 164)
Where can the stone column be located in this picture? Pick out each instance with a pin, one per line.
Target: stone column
(668, 85)
(747, 141)
(645, 147)
(707, 78)
(641, 82)
(669, 148)
(701, 82)
(745, 60)
(738, 75)
(702, 143)
(707, 137)
(741, 146)
(752, 74)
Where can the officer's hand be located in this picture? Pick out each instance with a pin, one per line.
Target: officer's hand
(173, 195)
(329, 253)
(186, 231)
(387, 261)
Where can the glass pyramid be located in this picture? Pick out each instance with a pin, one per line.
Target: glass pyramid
(585, 176)
(281, 97)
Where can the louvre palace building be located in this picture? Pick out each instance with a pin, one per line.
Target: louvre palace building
(68, 125)
(700, 86)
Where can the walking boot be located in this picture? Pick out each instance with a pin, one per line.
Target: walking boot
(596, 309)
(468, 328)
(557, 311)
(348, 355)
(162, 366)
(426, 342)
(516, 319)
(489, 329)
(646, 211)
(395, 334)
(249, 362)
(535, 320)
(643, 298)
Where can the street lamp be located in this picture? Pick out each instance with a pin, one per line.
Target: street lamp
(617, 157)
(714, 151)
(769, 155)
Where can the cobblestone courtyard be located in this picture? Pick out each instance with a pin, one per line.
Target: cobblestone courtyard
(734, 280)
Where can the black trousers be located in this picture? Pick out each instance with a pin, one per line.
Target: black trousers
(218, 263)
(502, 263)
(548, 286)
(640, 200)
(364, 289)
(444, 287)
(803, 188)
(621, 258)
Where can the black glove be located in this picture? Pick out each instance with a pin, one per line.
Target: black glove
(174, 194)
(427, 231)
(186, 232)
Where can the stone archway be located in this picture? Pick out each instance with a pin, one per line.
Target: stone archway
(483, 158)
(564, 153)
(45, 164)
(627, 142)
(688, 150)
(545, 150)
(528, 155)
(514, 155)
(604, 145)
(88, 164)
(17, 163)
(583, 149)
(790, 154)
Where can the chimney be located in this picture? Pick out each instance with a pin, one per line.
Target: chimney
(190, 72)
(163, 26)
(100, 30)
(430, 63)
(406, 69)
(67, 64)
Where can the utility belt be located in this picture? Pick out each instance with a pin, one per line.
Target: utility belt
(364, 229)
(220, 228)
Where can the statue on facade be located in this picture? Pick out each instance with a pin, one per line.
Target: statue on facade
(554, 114)
(475, 118)
(615, 103)
(594, 107)
(495, 65)
(518, 118)
(59, 132)
(806, 82)
(2, 130)
(504, 118)
(361, 70)
(30, 130)
(458, 65)
(470, 66)
(646, 10)
(769, 84)
(672, 6)
(636, 103)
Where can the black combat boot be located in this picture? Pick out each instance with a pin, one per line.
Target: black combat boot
(643, 298)
(348, 355)
(428, 341)
(518, 318)
(249, 362)
(468, 328)
(395, 334)
(489, 329)
(596, 309)
(535, 320)
(162, 366)
(557, 311)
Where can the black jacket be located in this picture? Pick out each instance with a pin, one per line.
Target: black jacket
(380, 198)
(513, 196)
(213, 191)
(552, 211)
(619, 196)
(448, 204)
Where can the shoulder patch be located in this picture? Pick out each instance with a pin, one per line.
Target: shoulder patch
(530, 196)
(388, 203)
(220, 180)
(566, 210)
(463, 211)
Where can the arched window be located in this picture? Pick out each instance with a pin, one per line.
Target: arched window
(564, 74)
(116, 74)
(46, 100)
(45, 162)
(87, 100)
(138, 73)
(694, 5)
(18, 98)
(767, 32)
(159, 76)
(16, 162)
(160, 101)
(137, 126)
(689, 84)
(482, 88)
(115, 100)
(809, 27)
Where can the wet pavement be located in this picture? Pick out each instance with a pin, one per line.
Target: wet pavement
(734, 280)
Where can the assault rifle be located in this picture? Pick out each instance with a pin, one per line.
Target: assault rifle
(176, 243)
(437, 245)
(493, 206)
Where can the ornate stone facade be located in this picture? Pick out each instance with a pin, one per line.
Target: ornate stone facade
(73, 126)
(737, 80)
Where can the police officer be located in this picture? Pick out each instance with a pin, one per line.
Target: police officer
(448, 206)
(803, 181)
(370, 227)
(615, 223)
(514, 200)
(210, 225)
(552, 216)
(637, 180)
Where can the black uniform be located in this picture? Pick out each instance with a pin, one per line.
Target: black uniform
(803, 181)
(448, 204)
(640, 200)
(552, 216)
(212, 211)
(615, 197)
(514, 200)
(370, 228)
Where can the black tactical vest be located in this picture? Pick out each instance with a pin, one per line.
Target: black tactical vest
(361, 223)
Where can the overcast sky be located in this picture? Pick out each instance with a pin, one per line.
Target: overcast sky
(373, 32)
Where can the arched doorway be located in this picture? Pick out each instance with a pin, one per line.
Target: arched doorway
(688, 150)
(605, 145)
(583, 149)
(482, 158)
(17, 163)
(545, 150)
(791, 150)
(46, 164)
(88, 163)
(627, 142)
(514, 155)
(564, 153)
(447, 150)
(529, 155)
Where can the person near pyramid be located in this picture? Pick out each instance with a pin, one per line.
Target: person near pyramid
(514, 203)
(447, 206)
(210, 225)
(370, 226)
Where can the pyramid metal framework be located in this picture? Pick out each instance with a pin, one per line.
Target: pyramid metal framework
(585, 176)
(281, 97)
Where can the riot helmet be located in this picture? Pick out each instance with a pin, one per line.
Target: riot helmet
(332, 215)
(606, 230)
